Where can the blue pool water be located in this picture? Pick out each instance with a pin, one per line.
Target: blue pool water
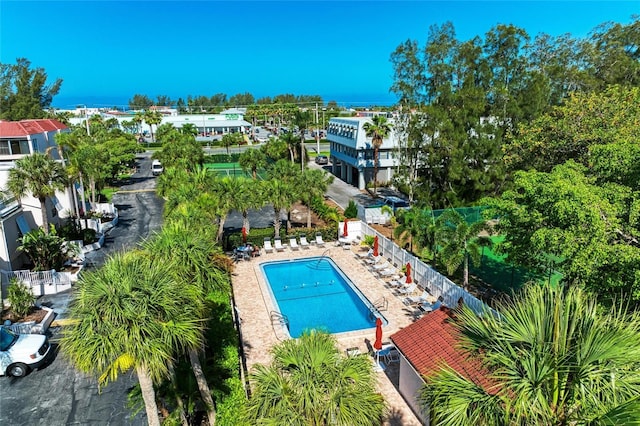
(315, 293)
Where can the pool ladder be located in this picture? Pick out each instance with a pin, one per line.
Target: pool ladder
(279, 319)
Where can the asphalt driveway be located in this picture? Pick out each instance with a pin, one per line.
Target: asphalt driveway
(57, 394)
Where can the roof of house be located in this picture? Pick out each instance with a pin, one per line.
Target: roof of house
(29, 127)
(433, 341)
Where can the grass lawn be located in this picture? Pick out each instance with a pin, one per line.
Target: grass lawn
(108, 192)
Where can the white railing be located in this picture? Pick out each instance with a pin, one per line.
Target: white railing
(430, 279)
(41, 282)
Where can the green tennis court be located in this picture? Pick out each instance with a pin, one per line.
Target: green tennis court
(231, 169)
(505, 277)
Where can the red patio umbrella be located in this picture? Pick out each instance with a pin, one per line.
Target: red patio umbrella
(244, 235)
(375, 246)
(408, 273)
(377, 345)
(345, 231)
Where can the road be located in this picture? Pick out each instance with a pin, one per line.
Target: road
(57, 394)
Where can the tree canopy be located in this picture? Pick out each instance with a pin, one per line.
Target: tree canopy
(25, 92)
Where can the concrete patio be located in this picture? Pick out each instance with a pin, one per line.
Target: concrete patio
(259, 335)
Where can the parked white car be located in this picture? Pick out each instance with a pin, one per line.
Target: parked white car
(20, 353)
(156, 168)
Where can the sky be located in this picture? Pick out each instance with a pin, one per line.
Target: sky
(107, 51)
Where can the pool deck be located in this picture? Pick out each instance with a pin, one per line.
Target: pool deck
(254, 304)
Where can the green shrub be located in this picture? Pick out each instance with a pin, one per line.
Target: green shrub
(20, 297)
(368, 240)
(46, 251)
(88, 236)
(222, 158)
(351, 212)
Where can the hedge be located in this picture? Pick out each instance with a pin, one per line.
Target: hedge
(257, 235)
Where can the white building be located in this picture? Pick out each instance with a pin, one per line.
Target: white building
(352, 153)
(230, 121)
(17, 140)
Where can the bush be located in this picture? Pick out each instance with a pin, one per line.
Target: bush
(46, 251)
(257, 235)
(222, 158)
(20, 297)
(351, 211)
(88, 236)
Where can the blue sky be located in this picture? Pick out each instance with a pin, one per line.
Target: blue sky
(107, 51)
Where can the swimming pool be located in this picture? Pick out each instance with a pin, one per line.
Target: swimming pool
(314, 293)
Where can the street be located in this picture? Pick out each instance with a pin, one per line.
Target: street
(57, 394)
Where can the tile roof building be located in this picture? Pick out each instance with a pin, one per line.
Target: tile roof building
(427, 345)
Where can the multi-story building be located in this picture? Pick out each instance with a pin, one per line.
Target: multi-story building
(352, 152)
(17, 217)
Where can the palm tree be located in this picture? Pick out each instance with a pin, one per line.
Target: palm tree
(302, 119)
(554, 358)
(39, 175)
(138, 118)
(189, 129)
(310, 382)
(225, 190)
(460, 241)
(377, 130)
(281, 195)
(291, 141)
(251, 160)
(192, 252)
(247, 197)
(315, 183)
(152, 118)
(128, 314)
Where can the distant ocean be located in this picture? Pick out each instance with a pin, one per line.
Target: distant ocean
(346, 100)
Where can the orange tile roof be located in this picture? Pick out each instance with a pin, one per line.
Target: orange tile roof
(29, 127)
(432, 341)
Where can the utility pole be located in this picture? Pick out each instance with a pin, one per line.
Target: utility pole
(317, 133)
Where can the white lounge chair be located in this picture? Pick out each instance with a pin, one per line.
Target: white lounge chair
(374, 259)
(304, 243)
(430, 307)
(319, 241)
(395, 283)
(367, 255)
(408, 289)
(389, 272)
(293, 243)
(381, 266)
(268, 248)
(278, 244)
(425, 297)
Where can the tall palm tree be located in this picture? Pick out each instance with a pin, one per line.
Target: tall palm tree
(152, 118)
(225, 189)
(138, 118)
(310, 382)
(554, 357)
(291, 141)
(460, 241)
(251, 160)
(281, 195)
(192, 253)
(39, 175)
(302, 120)
(247, 197)
(315, 183)
(128, 314)
(377, 130)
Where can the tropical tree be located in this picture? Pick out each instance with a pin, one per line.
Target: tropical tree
(554, 357)
(225, 189)
(231, 139)
(251, 160)
(302, 120)
(377, 130)
(310, 382)
(189, 129)
(315, 183)
(128, 314)
(281, 195)
(247, 197)
(192, 252)
(39, 175)
(460, 241)
(152, 118)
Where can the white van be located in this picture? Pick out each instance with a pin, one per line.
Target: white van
(156, 167)
(20, 353)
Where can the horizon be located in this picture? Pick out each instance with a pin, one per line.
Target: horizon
(107, 51)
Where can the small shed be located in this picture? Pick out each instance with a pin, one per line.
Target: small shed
(425, 346)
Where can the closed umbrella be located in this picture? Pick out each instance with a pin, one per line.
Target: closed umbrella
(345, 231)
(244, 235)
(408, 273)
(375, 246)
(377, 345)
